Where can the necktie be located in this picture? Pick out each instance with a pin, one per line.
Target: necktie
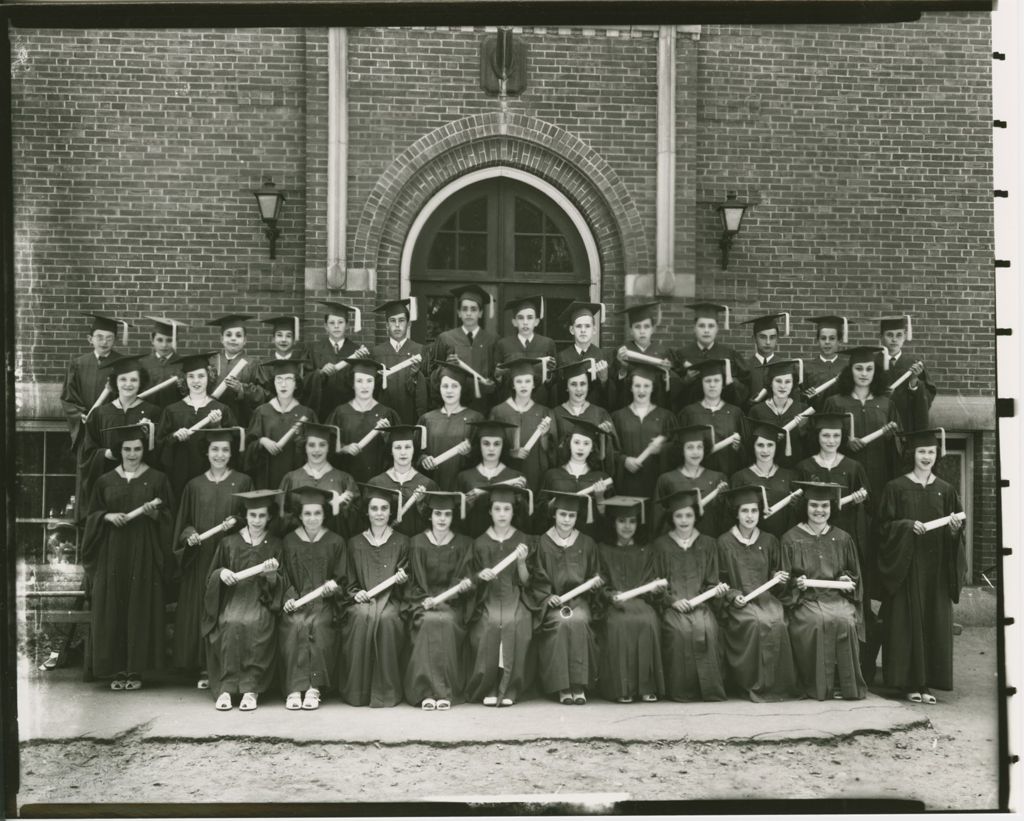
(470, 334)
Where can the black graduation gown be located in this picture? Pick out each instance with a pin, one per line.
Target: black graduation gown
(716, 515)
(800, 446)
(726, 420)
(596, 415)
(479, 355)
(414, 520)
(444, 431)
(406, 392)
(253, 393)
(818, 372)
(538, 460)
(182, 461)
(777, 487)
(347, 521)
(478, 515)
(511, 347)
(691, 389)
(912, 406)
(157, 370)
(670, 397)
(83, 384)
(560, 479)
(635, 435)
(354, 425)
(267, 470)
(602, 392)
(328, 392)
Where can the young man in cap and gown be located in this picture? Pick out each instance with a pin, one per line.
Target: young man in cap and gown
(406, 389)
(472, 344)
(831, 331)
(330, 379)
(240, 389)
(527, 313)
(286, 346)
(914, 396)
(162, 362)
(643, 322)
(582, 319)
(704, 346)
(766, 335)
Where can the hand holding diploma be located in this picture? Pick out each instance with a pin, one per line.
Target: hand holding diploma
(103, 397)
(324, 591)
(732, 440)
(229, 577)
(489, 574)
(783, 502)
(542, 428)
(415, 359)
(856, 498)
(231, 380)
(223, 527)
(463, 448)
(686, 605)
(780, 577)
(653, 448)
(953, 520)
(796, 421)
(650, 587)
(431, 602)
(844, 584)
(355, 448)
(121, 519)
(810, 393)
(401, 577)
(903, 377)
(170, 380)
(336, 367)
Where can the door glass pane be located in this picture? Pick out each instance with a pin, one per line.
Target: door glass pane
(59, 456)
(529, 254)
(28, 452)
(473, 217)
(442, 253)
(28, 497)
(437, 315)
(528, 218)
(472, 252)
(556, 256)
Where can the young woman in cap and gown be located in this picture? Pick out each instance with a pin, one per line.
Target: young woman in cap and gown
(830, 331)
(128, 561)
(914, 396)
(766, 439)
(695, 441)
(782, 380)
(406, 389)
(471, 344)
(343, 514)
(355, 419)
(576, 386)
(528, 416)
(330, 380)
(207, 501)
(240, 616)
(434, 675)
(405, 441)
(582, 319)
(373, 634)
(527, 313)
(565, 558)
(579, 471)
(825, 624)
(124, 378)
(629, 634)
(282, 417)
(726, 420)
(642, 427)
(241, 390)
(308, 640)
(500, 620)
(183, 452)
(488, 445)
(691, 649)
(447, 426)
(921, 572)
(162, 362)
(758, 656)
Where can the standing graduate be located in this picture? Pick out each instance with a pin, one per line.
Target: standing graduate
(629, 634)
(766, 351)
(824, 623)
(208, 500)
(308, 640)
(357, 418)
(448, 426)
(406, 390)
(437, 562)
(182, 451)
(582, 319)
(705, 346)
(765, 472)
(576, 383)
(373, 634)
(128, 561)
(472, 344)
(579, 470)
(695, 441)
(644, 430)
(921, 572)
(782, 381)
(528, 416)
(404, 441)
(500, 621)
(831, 330)
(268, 456)
(488, 444)
(691, 652)
(565, 558)
(914, 396)
(330, 382)
(239, 389)
(162, 362)
(643, 322)
(240, 616)
(758, 655)
(285, 344)
(527, 313)
(726, 420)
(318, 442)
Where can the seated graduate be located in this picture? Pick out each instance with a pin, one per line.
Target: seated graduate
(500, 620)
(825, 623)
(236, 375)
(343, 514)
(765, 471)
(782, 381)
(209, 500)
(406, 388)
(819, 370)
(579, 454)
(274, 448)
(183, 451)
(582, 318)
(373, 634)
(564, 559)
(528, 417)
(695, 441)
(921, 572)
(629, 635)
(577, 382)
(643, 430)
(240, 617)
(758, 656)
(447, 427)
(357, 419)
(127, 558)
(434, 675)
(488, 445)
(726, 420)
(913, 397)
(313, 562)
(527, 313)
(404, 441)
(691, 652)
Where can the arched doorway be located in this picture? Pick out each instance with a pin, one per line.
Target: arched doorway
(508, 237)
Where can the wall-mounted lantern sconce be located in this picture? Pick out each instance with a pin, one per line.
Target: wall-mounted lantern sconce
(731, 211)
(270, 200)
(503, 64)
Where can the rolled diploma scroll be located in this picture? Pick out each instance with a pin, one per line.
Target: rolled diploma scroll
(589, 584)
(477, 376)
(291, 432)
(535, 436)
(134, 514)
(506, 562)
(373, 434)
(935, 524)
(877, 434)
(415, 359)
(597, 487)
(899, 380)
(757, 591)
(103, 397)
(644, 359)
(790, 426)
(650, 587)
(257, 569)
(845, 500)
(706, 500)
(646, 453)
(726, 442)
(829, 584)
(223, 527)
(450, 593)
(223, 386)
(783, 502)
(824, 386)
(451, 453)
(761, 394)
(358, 353)
(703, 597)
(202, 423)
(404, 507)
(389, 582)
(170, 380)
(315, 594)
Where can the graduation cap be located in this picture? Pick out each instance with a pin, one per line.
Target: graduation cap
(596, 434)
(927, 438)
(897, 323)
(710, 310)
(254, 499)
(194, 361)
(491, 427)
(229, 435)
(747, 495)
(681, 498)
(452, 372)
(122, 364)
(821, 491)
(618, 507)
(647, 372)
(511, 494)
(572, 502)
(309, 495)
(521, 304)
(230, 321)
(322, 431)
(695, 433)
(397, 307)
(474, 293)
(647, 310)
(522, 365)
(822, 421)
(391, 495)
(595, 310)
(168, 327)
(867, 353)
(584, 367)
(101, 322)
(781, 367)
(343, 309)
(283, 367)
(715, 367)
(362, 364)
(116, 436)
(840, 323)
(283, 323)
(769, 322)
(766, 430)
(407, 433)
(445, 500)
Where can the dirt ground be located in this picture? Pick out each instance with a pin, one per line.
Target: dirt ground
(948, 765)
